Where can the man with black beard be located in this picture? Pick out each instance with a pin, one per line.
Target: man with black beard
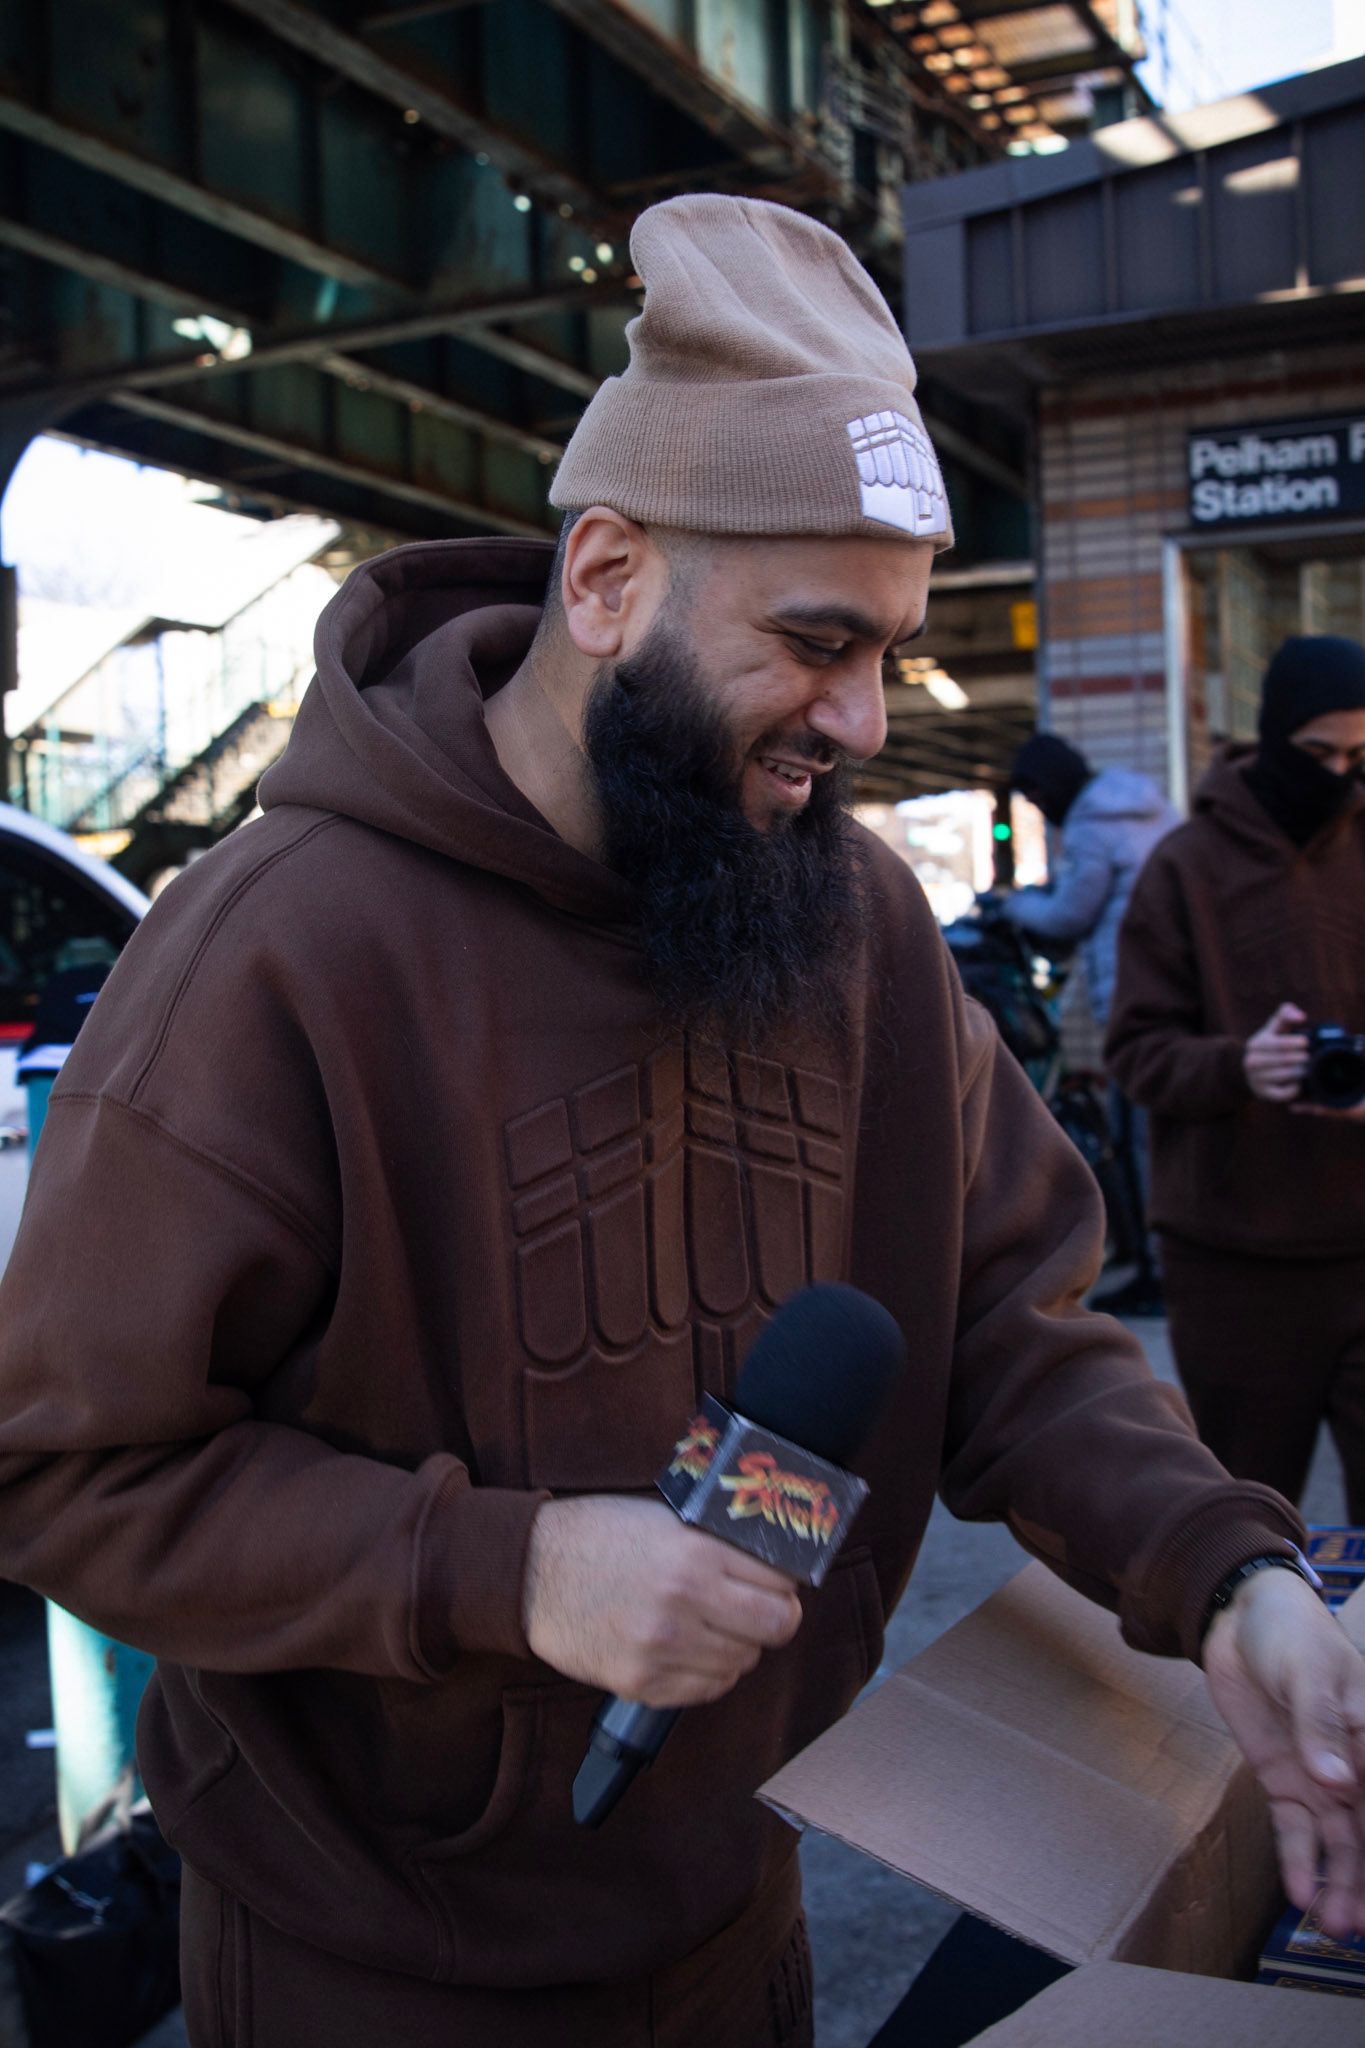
(743, 928)
(443, 1136)
(1246, 925)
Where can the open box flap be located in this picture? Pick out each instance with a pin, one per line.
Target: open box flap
(1036, 1771)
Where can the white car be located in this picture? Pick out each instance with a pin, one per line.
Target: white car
(58, 909)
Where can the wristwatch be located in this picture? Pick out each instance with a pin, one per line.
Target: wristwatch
(1223, 1592)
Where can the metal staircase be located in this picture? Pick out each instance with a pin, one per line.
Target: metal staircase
(155, 753)
(210, 795)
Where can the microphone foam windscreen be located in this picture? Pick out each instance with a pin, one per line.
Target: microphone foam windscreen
(823, 1369)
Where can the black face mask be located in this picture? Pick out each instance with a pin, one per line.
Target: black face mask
(1053, 806)
(1300, 794)
(745, 932)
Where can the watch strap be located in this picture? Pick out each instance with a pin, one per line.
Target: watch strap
(1292, 1560)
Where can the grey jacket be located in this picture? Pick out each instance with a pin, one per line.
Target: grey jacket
(1110, 829)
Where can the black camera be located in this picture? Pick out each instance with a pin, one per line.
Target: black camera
(1335, 1077)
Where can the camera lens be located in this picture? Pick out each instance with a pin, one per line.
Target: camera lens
(1338, 1077)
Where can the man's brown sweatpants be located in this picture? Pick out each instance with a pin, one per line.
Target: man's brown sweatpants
(246, 1985)
(1267, 1350)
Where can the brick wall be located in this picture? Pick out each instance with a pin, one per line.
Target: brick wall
(1112, 467)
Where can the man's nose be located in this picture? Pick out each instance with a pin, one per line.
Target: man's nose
(851, 711)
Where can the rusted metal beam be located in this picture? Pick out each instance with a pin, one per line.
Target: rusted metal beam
(109, 270)
(276, 485)
(674, 72)
(360, 373)
(419, 95)
(223, 119)
(537, 362)
(465, 317)
(299, 454)
(415, 10)
(145, 174)
(56, 210)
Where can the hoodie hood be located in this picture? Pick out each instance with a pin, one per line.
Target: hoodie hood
(1225, 795)
(391, 731)
(1118, 793)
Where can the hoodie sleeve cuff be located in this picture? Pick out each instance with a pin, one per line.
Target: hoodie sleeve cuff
(1166, 1600)
(471, 1569)
(1232, 1074)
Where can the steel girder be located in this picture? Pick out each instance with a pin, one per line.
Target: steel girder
(439, 94)
(343, 424)
(133, 228)
(319, 248)
(327, 202)
(665, 53)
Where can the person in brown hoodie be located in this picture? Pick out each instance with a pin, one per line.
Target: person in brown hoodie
(1247, 925)
(442, 1135)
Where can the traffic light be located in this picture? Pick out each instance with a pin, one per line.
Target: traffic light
(1002, 842)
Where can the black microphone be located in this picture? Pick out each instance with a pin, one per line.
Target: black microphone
(765, 1476)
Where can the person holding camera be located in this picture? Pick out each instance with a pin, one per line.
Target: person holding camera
(1239, 1023)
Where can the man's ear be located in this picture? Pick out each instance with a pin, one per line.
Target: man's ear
(613, 582)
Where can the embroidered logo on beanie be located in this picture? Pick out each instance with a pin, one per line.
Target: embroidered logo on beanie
(898, 472)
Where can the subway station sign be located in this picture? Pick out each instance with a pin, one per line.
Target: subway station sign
(1277, 473)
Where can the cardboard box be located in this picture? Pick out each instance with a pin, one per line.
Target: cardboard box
(1037, 1772)
(1118, 2005)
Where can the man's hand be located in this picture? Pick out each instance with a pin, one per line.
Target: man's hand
(1276, 1059)
(1284, 1676)
(621, 1595)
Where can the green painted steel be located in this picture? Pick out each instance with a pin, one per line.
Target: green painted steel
(373, 260)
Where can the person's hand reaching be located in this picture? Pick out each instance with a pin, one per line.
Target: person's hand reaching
(1286, 1678)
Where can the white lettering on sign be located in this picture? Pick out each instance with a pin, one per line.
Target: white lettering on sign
(1277, 469)
(1212, 500)
(1251, 455)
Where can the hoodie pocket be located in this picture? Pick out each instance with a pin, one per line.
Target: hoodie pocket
(522, 1710)
(525, 1896)
(468, 1880)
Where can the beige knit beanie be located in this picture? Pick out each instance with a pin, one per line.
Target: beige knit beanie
(769, 389)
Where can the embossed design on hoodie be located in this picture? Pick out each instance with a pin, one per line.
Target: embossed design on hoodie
(659, 1214)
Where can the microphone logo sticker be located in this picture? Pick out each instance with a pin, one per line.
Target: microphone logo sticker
(693, 1454)
(789, 1500)
(751, 1487)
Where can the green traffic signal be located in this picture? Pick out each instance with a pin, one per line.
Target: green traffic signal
(1003, 831)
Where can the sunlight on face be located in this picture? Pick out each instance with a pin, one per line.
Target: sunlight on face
(789, 636)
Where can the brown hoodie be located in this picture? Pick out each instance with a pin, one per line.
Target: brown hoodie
(378, 1200)
(1230, 919)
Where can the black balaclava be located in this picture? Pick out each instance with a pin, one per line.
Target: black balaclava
(1311, 674)
(1051, 774)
